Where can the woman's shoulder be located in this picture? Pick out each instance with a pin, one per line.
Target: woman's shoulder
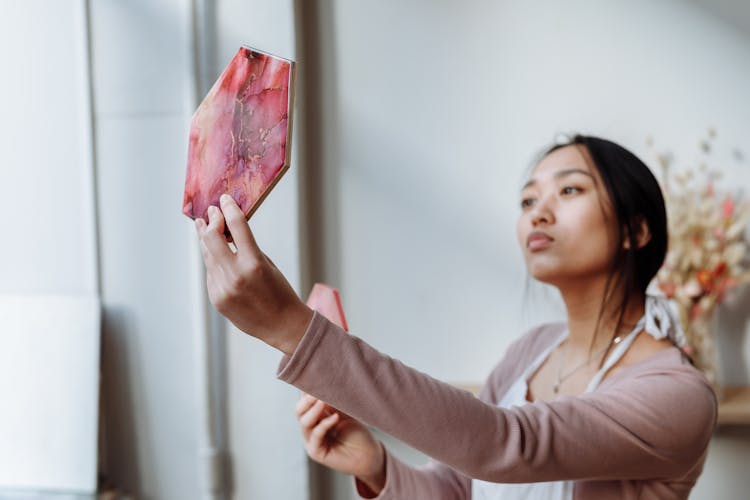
(663, 387)
(670, 361)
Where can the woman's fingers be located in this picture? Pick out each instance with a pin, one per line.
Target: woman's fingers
(208, 260)
(312, 416)
(215, 220)
(318, 435)
(200, 228)
(304, 404)
(241, 234)
(213, 236)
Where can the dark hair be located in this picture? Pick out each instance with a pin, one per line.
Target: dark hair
(635, 197)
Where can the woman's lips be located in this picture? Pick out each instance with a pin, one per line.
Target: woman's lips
(538, 241)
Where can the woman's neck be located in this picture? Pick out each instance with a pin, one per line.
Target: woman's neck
(586, 317)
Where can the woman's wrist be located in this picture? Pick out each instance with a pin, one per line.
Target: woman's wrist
(375, 481)
(295, 327)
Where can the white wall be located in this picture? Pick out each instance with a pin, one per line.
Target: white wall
(143, 85)
(45, 134)
(49, 308)
(141, 75)
(437, 109)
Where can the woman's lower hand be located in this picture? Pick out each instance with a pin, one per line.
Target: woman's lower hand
(244, 285)
(336, 440)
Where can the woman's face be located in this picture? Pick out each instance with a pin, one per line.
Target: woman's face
(567, 229)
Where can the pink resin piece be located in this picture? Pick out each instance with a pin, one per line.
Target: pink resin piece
(240, 134)
(327, 301)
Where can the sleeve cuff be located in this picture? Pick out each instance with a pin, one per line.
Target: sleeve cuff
(392, 465)
(291, 367)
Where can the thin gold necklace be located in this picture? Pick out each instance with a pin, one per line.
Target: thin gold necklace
(562, 378)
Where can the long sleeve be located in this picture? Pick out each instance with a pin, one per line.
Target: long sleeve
(433, 480)
(651, 420)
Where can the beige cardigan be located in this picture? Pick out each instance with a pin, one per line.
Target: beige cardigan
(643, 433)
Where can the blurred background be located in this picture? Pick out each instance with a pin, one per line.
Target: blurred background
(415, 124)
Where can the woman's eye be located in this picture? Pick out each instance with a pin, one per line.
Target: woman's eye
(570, 190)
(527, 202)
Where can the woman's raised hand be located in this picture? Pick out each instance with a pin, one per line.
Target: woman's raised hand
(338, 441)
(249, 290)
(245, 286)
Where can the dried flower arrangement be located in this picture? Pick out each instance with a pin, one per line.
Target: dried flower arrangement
(708, 249)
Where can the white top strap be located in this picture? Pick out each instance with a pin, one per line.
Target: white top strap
(617, 354)
(660, 321)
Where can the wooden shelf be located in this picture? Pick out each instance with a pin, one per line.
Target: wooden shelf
(734, 407)
(472, 387)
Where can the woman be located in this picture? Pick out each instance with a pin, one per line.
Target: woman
(605, 405)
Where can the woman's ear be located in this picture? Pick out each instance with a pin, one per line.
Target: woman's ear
(642, 235)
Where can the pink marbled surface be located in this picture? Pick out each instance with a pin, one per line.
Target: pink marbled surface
(238, 135)
(327, 301)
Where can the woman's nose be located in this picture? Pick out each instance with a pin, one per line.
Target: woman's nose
(542, 212)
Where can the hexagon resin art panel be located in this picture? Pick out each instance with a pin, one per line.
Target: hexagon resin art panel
(240, 135)
(327, 301)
